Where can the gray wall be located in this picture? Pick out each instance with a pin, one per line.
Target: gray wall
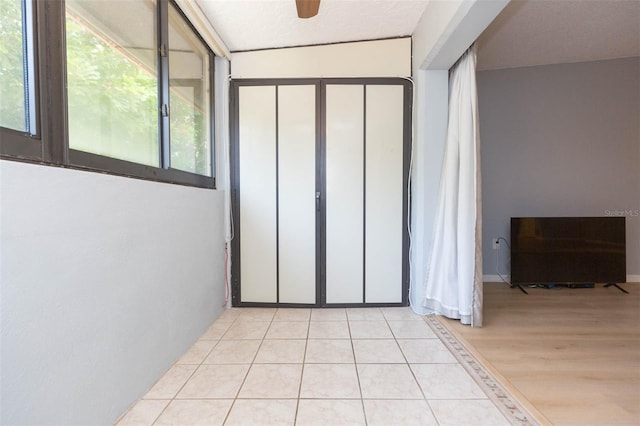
(105, 282)
(560, 140)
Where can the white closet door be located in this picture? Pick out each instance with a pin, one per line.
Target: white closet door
(257, 170)
(296, 194)
(384, 190)
(360, 182)
(344, 193)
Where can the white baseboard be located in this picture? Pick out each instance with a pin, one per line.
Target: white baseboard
(497, 279)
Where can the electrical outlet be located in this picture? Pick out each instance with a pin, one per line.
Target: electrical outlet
(496, 243)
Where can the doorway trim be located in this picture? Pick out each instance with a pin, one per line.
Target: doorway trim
(320, 161)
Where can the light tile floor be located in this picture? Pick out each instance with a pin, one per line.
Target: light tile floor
(361, 366)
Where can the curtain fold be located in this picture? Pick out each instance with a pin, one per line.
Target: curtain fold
(223, 164)
(453, 285)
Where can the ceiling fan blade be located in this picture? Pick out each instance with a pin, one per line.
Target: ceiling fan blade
(307, 8)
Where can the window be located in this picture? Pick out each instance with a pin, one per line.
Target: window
(16, 66)
(128, 88)
(189, 84)
(112, 79)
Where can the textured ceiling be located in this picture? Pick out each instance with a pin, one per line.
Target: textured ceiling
(539, 32)
(526, 33)
(259, 24)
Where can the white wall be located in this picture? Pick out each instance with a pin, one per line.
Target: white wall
(445, 31)
(560, 140)
(105, 282)
(448, 27)
(380, 58)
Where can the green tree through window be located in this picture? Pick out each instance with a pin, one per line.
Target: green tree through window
(103, 80)
(112, 97)
(189, 67)
(12, 72)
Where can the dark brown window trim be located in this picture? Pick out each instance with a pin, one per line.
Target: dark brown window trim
(49, 146)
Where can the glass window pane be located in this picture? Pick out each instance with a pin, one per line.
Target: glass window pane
(13, 110)
(112, 76)
(189, 98)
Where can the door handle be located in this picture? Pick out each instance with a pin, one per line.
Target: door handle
(317, 201)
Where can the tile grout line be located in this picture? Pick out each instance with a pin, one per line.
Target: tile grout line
(235, 398)
(394, 337)
(424, 396)
(355, 366)
(304, 356)
(191, 375)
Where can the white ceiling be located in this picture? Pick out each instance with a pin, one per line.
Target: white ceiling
(259, 24)
(526, 33)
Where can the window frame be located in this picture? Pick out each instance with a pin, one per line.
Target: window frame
(49, 145)
(25, 144)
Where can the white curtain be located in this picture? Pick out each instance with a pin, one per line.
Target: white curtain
(223, 168)
(453, 286)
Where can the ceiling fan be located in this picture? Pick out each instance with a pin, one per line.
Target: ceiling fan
(307, 8)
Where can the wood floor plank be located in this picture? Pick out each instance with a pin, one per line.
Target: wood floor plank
(574, 354)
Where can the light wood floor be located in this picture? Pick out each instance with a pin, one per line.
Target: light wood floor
(574, 354)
